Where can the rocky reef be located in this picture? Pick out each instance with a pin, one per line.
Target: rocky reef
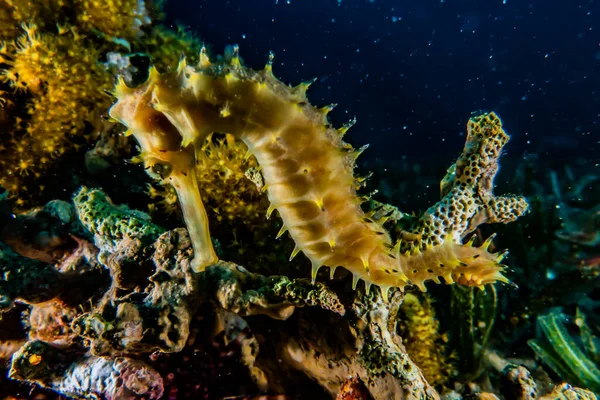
(182, 288)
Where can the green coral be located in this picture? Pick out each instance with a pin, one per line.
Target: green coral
(110, 222)
(245, 293)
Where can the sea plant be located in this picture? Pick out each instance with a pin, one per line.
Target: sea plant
(577, 364)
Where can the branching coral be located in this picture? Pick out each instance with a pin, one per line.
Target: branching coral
(308, 171)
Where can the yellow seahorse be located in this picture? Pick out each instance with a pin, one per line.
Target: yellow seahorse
(308, 171)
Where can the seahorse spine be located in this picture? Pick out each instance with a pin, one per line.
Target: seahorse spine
(307, 167)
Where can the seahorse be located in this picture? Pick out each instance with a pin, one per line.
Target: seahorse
(308, 171)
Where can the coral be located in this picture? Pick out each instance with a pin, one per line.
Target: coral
(116, 19)
(44, 255)
(353, 389)
(121, 19)
(163, 199)
(518, 383)
(420, 335)
(7, 22)
(150, 303)
(44, 233)
(154, 294)
(308, 173)
(275, 296)
(42, 13)
(362, 342)
(224, 187)
(166, 47)
(111, 224)
(60, 73)
(50, 322)
(88, 377)
(467, 188)
(53, 83)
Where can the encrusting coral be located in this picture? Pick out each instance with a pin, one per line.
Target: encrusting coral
(312, 330)
(308, 174)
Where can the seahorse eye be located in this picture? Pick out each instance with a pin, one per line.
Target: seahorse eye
(162, 170)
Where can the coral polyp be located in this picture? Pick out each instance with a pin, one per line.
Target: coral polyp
(62, 83)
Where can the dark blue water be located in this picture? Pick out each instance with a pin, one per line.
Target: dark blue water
(413, 71)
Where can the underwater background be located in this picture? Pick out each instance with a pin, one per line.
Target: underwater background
(101, 292)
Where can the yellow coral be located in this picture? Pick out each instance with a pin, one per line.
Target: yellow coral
(66, 84)
(231, 187)
(221, 173)
(7, 22)
(166, 47)
(422, 340)
(114, 18)
(42, 13)
(163, 199)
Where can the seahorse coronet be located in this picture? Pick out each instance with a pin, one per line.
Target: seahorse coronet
(307, 169)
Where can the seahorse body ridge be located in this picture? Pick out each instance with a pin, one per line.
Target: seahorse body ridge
(307, 169)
